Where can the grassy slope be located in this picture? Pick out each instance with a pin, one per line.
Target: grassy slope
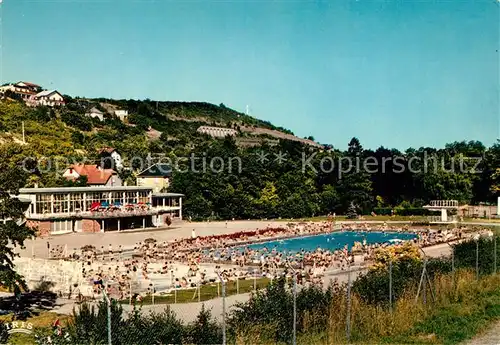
(454, 323)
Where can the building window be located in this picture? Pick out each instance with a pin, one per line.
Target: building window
(144, 197)
(43, 203)
(131, 198)
(96, 197)
(76, 202)
(61, 203)
(61, 226)
(116, 198)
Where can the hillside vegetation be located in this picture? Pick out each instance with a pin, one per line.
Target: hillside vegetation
(223, 180)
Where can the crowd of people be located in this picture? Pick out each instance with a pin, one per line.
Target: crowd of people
(233, 256)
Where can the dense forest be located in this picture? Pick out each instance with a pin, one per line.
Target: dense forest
(223, 180)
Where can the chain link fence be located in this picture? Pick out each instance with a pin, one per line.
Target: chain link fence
(211, 312)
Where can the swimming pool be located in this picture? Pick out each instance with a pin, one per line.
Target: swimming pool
(331, 241)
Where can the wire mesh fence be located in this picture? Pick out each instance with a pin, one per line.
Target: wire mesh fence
(288, 309)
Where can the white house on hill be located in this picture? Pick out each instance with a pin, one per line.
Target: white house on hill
(110, 158)
(22, 89)
(122, 114)
(50, 98)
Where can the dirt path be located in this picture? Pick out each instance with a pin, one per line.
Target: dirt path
(489, 337)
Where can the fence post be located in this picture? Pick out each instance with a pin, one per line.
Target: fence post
(130, 290)
(348, 317)
(237, 285)
(390, 284)
(294, 277)
(495, 238)
(255, 280)
(452, 264)
(477, 257)
(223, 307)
(153, 292)
(424, 291)
(199, 291)
(108, 304)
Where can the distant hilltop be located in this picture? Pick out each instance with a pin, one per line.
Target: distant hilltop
(157, 117)
(202, 118)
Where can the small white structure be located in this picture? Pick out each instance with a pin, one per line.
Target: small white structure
(122, 114)
(217, 132)
(443, 206)
(22, 89)
(110, 158)
(498, 207)
(95, 113)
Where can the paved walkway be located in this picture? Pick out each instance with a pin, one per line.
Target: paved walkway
(187, 312)
(490, 337)
(128, 239)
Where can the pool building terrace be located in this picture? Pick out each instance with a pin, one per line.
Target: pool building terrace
(99, 209)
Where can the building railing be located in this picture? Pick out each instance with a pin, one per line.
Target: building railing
(105, 213)
(444, 203)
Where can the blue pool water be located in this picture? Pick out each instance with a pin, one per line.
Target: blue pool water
(332, 241)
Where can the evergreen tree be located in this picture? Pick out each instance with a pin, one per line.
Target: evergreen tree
(355, 185)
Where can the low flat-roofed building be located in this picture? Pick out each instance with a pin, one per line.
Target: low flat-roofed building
(99, 209)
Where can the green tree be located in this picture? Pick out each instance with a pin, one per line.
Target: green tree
(355, 185)
(204, 330)
(14, 231)
(77, 138)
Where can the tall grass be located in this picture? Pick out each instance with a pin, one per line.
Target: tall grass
(372, 323)
(456, 309)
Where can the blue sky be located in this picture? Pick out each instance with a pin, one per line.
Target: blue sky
(393, 73)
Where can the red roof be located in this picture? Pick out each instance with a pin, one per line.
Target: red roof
(95, 174)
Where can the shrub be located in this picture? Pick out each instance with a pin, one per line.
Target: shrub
(373, 287)
(465, 254)
(204, 330)
(77, 120)
(383, 211)
(271, 308)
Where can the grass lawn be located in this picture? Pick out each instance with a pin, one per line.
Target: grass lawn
(207, 292)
